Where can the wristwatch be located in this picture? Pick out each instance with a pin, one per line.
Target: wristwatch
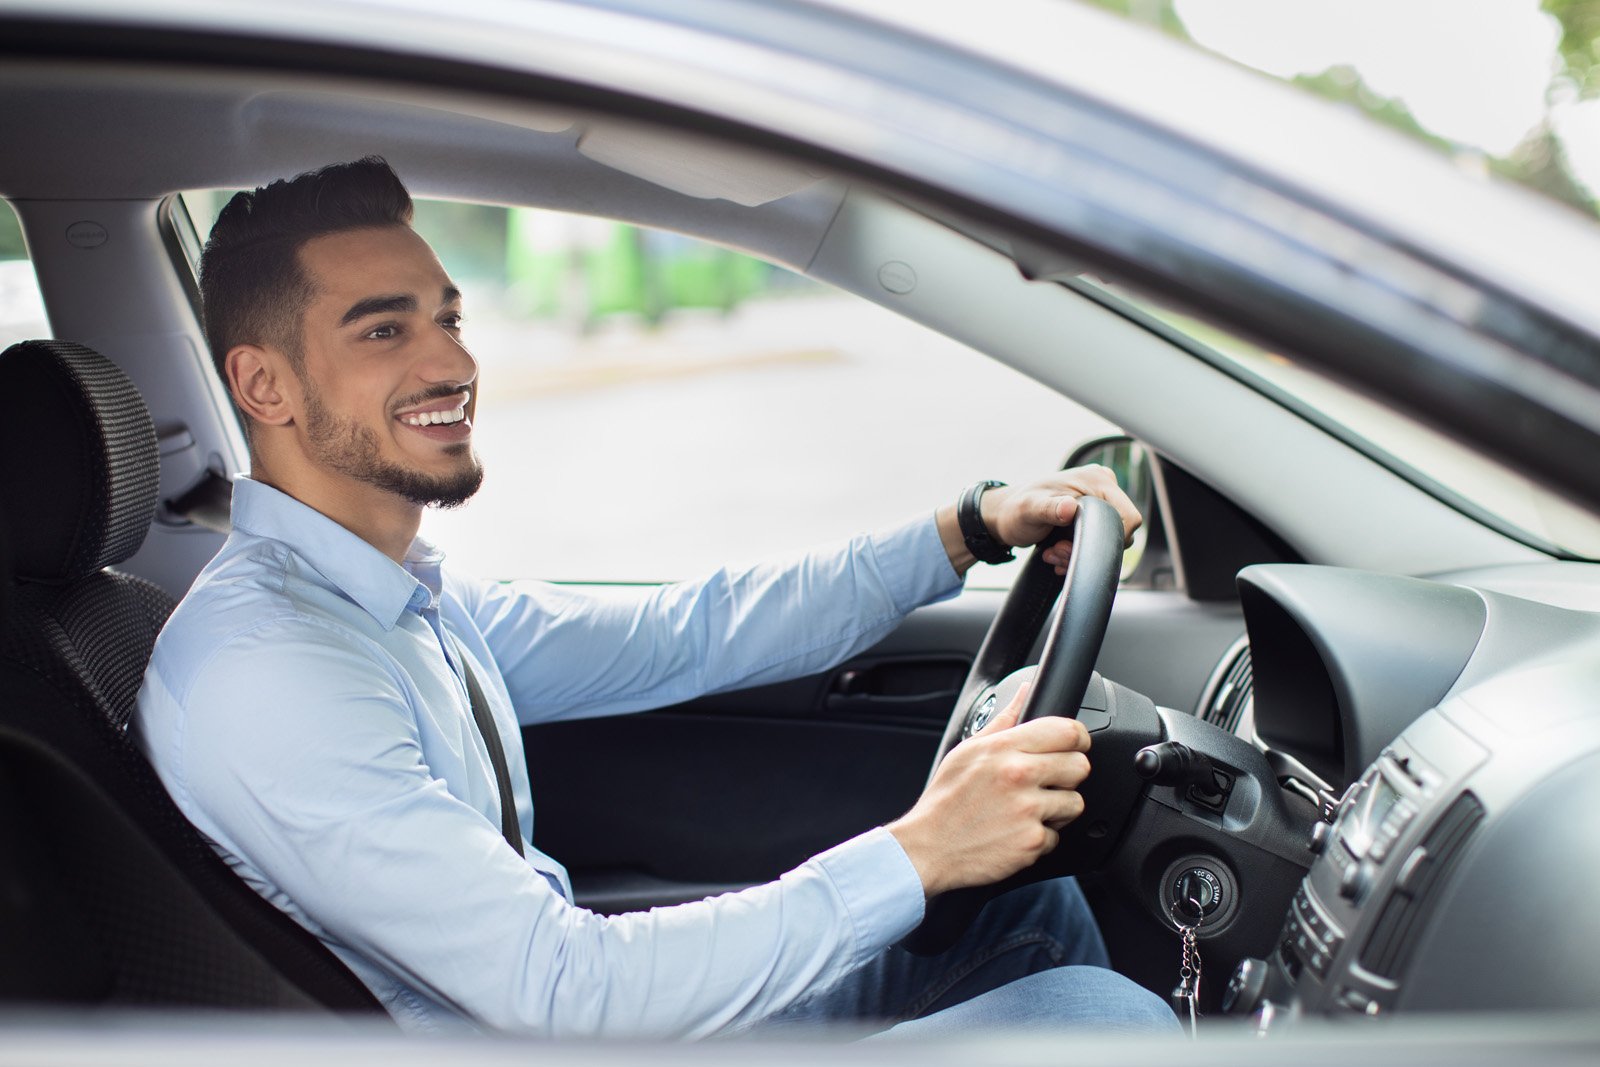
(980, 542)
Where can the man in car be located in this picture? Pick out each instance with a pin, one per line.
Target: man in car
(338, 712)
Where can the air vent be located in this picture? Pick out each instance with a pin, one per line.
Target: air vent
(1422, 875)
(1227, 704)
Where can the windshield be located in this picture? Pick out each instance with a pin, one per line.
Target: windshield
(1451, 471)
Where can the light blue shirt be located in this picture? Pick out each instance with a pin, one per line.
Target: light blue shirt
(304, 712)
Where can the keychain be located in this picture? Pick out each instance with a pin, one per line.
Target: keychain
(1186, 996)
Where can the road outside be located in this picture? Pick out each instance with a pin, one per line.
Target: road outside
(633, 454)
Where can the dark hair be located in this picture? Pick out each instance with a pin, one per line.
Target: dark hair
(252, 288)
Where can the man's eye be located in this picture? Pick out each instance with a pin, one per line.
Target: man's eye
(453, 321)
(383, 333)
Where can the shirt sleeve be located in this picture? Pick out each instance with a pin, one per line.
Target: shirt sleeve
(566, 653)
(315, 779)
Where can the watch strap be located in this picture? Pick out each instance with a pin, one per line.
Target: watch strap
(974, 532)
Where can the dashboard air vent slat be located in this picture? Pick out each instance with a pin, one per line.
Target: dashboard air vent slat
(1405, 913)
(1227, 705)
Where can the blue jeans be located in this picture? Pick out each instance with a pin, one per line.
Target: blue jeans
(1032, 958)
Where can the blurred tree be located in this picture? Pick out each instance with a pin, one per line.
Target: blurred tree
(1160, 13)
(1580, 42)
(1343, 84)
(11, 246)
(1540, 161)
(470, 239)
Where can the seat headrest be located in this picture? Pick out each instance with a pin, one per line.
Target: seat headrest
(79, 469)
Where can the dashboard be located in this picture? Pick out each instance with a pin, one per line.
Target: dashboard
(1449, 730)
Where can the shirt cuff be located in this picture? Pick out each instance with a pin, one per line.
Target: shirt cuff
(915, 567)
(881, 890)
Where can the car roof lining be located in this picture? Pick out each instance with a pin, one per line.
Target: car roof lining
(197, 128)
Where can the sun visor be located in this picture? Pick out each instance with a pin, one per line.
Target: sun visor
(693, 166)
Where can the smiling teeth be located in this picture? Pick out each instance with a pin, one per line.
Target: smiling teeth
(436, 418)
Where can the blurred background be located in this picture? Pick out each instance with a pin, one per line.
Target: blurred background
(619, 363)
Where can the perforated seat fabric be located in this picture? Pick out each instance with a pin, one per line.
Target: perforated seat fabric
(167, 919)
(78, 464)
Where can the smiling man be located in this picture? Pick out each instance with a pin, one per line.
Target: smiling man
(338, 712)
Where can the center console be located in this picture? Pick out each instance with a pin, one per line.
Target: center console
(1448, 877)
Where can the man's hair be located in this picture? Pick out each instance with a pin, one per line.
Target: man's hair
(252, 287)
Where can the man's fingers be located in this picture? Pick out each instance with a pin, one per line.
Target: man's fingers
(1050, 733)
(1053, 501)
(1072, 809)
(1062, 806)
(1064, 770)
(1058, 554)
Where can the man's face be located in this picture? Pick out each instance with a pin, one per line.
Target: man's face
(389, 389)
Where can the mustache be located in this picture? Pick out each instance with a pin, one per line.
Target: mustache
(437, 392)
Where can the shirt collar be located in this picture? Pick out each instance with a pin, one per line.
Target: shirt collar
(382, 588)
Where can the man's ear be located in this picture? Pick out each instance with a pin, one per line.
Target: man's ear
(257, 376)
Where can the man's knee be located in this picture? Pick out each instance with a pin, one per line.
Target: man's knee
(1091, 999)
(1098, 998)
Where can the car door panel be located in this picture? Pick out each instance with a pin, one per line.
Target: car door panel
(735, 788)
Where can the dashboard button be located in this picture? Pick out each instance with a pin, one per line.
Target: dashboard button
(1357, 881)
(1413, 871)
(1355, 1000)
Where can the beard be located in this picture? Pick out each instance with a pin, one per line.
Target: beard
(351, 449)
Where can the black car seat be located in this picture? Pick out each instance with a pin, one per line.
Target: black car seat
(107, 894)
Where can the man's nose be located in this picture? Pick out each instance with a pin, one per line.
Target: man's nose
(448, 359)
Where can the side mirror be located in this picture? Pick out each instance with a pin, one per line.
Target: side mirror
(1129, 460)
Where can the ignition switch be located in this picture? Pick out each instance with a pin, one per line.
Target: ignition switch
(1196, 888)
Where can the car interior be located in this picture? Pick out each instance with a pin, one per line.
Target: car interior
(1350, 719)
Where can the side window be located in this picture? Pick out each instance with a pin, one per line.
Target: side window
(653, 407)
(22, 314)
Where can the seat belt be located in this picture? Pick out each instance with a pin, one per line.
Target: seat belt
(497, 754)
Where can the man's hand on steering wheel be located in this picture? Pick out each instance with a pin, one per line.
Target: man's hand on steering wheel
(997, 802)
(1024, 515)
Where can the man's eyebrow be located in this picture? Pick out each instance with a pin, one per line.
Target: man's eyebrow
(378, 305)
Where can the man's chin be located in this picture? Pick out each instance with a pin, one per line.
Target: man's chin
(446, 493)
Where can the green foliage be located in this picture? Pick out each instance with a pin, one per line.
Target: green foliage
(469, 238)
(1342, 84)
(1540, 162)
(11, 246)
(1159, 13)
(613, 268)
(1580, 41)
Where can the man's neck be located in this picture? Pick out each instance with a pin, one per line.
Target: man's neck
(386, 521)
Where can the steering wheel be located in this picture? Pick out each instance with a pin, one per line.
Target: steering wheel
(1060, 682)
